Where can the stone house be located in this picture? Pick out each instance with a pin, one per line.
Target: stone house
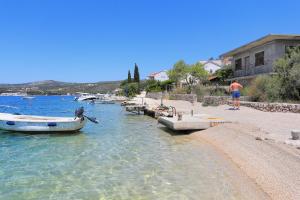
(211, 66)
(159, 76)
(258, 57)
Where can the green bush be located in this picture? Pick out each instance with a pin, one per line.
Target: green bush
(284, 85)
(257, 89)
(288, 75)
(167, 85)
(224, 73)
(201, 91)
(264, 88)
(179, 91)
(218, 91)
(131, 89)
(152, 86)
(157, 86)
(245, 91)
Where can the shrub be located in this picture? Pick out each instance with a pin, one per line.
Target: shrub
(284, 85)
(245, 91)
(179, 91)
(264, 88)
(218, 91)
(224, 73)
(131, 89)
(201, 91)
(166, 85)
(257, 89)
(288, 75)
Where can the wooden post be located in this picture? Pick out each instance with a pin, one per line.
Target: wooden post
(295, 134)
(179, 117)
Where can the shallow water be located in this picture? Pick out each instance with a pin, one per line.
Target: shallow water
(123, 157)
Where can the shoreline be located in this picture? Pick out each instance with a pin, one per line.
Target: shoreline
(256, 142)
(273, 167)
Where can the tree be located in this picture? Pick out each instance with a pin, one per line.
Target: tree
(196, 74)
(136, 75)
(178, 72)
(224, 73)
(192, 74)
(131, 89)
(288, 74)
(129, 77)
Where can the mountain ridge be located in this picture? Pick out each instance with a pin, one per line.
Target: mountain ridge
(59, 87)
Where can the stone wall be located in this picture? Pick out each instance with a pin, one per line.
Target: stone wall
(185, 97)
(215, 100)
(263, 106)
(154, 95)
(220, 100)
(273, 107)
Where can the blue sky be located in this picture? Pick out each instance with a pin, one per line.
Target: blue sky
(89, 41)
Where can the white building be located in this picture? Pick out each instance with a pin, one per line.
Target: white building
(159, 76)
(211, 65)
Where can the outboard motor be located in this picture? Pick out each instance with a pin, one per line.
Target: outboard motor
(79, 113)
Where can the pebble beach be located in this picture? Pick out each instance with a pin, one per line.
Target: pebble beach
(258, 143)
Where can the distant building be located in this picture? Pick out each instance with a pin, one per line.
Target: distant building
(159, 76)
(211, 65)
(258, 57)
(184, 82)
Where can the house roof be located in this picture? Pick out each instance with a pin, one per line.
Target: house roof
(212, 78)
(154, 73)
(215, 62)
(258, 42)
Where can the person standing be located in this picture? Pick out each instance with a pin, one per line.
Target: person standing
(234, 88)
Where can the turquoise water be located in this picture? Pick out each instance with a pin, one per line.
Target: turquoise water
(123, 157)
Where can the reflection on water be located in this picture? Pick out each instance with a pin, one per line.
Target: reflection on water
(124, 157)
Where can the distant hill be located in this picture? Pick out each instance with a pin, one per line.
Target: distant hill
(52, 87)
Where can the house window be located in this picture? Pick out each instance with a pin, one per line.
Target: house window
(247, 62)
(238, 64)
(259, 58)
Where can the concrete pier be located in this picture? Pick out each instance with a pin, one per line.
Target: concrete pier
(188, 122)
(135, 109)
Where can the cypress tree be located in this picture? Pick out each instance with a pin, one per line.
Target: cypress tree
(129, 77)
(136, 76)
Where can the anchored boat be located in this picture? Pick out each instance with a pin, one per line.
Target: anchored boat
(85, 97)
(32, 123)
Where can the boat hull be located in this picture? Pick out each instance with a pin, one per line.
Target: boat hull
(27, 123)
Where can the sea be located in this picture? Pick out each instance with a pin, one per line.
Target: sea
(125, 156)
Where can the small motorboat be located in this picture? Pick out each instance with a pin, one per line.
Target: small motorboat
(85, 97)
(28, 97)
(32, 123)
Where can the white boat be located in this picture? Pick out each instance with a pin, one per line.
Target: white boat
(85, 97)
(32, 123)
(28, 97)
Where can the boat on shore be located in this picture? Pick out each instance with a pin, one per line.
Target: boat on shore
(36, 124)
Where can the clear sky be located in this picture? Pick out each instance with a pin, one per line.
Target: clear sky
(99, 40)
